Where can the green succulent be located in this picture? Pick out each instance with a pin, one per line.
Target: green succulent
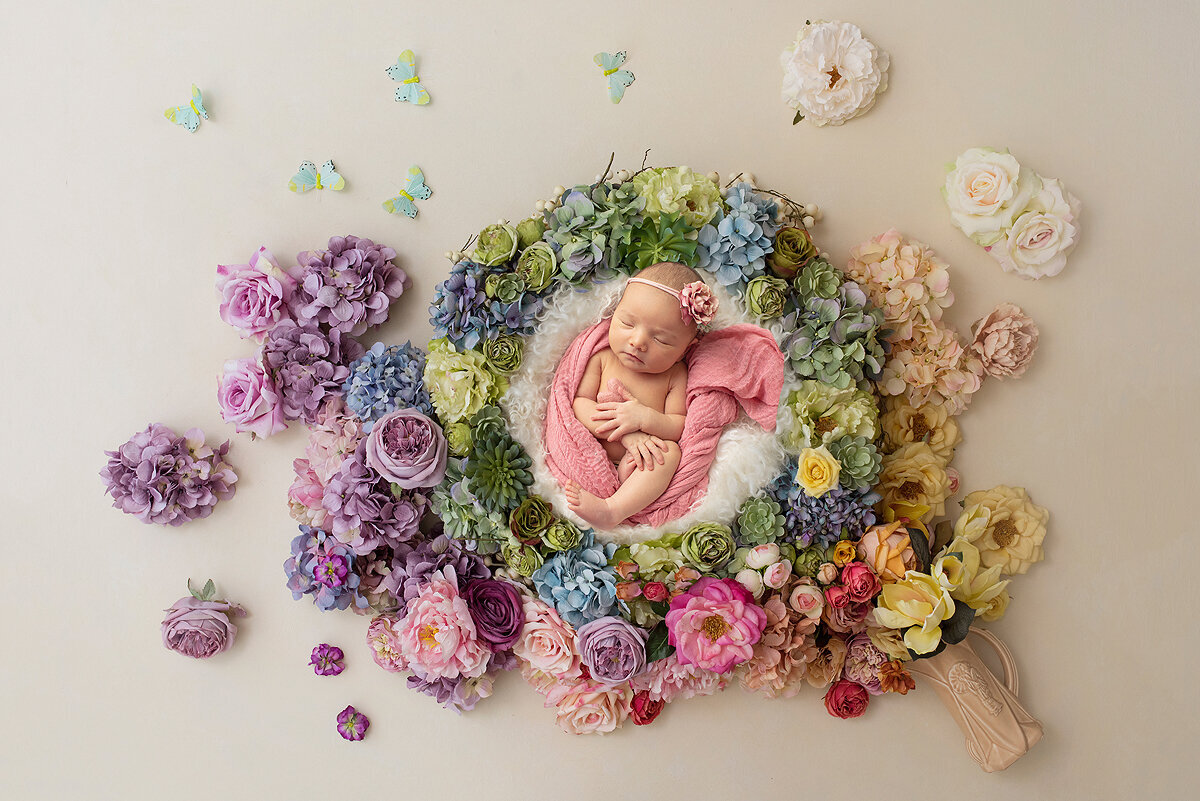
(497, 473)
(488, 425)
(504, 287)
(708, 546)
(667, 238)
(458, 438)
(760, 521)
(860, 461)
(818, 279)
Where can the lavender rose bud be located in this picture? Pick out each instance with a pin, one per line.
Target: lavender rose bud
(612, 649)
(497, 611)
(254, 296)
(408, 449)
(199, 626)
(248, 399)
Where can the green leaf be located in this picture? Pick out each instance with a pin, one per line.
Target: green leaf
(920, 546)
(209, 591)
(799, 116)
(660, 608)
(657, 646)
(955, 629)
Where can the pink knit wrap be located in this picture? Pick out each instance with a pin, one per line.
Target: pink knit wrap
(739, 364)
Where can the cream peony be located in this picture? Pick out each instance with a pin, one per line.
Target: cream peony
(832, 73)
(1041, 238)
(986, 190)
(915, 476)
(903, 423)
(1005, 526)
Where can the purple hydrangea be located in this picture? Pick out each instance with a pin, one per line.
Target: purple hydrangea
(411, 570)
(323, 567)
(365, 512)
(459, 310)
(820, 521)
(373, 570)
(460, 694)
(346, 287)
(385, 379)
(161, 477)
(308, 365)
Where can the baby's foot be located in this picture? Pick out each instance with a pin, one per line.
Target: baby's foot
(625, 468)
(591, 508)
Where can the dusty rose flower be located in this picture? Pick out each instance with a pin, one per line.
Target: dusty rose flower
(645, 709)
(846, 699)
(827, 664)
(200, 627)
(254, 296)
(408, 449)
(668, 680)
(863, 661)
(438, 635)
(655, 591)
(1005, 341)
(807, 599)
(861, 582)
(781, 656)
(827, 573)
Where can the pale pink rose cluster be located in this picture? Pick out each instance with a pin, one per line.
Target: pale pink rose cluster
(1005, 341)
(933, 367)
(586, 706)
(903, 278)
(668, 680)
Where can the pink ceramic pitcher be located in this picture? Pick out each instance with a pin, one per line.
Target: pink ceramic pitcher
(998, 729)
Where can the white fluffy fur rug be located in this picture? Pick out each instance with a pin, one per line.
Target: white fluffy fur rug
(747, 458)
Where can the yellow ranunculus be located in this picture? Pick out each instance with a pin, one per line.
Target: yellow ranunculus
(918, 604)
(818, 471)
(1005, 526)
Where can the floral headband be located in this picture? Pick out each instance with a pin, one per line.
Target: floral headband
(697, 304)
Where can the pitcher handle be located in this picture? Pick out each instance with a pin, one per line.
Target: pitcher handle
(1011, 680)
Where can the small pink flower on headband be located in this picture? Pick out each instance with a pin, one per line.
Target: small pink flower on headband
(697, 303)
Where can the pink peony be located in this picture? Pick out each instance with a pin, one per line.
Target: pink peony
(590, 707)
(547, 644)
(248, 398)
(1005, 341)
(385, 644)
(254, 296)
(667, 680)
(715, 624)
(438, 636)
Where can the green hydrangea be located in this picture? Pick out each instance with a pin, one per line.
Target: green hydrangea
(760, 521)
(836, 340)
(665, 238)
(593, 228)
(495, 245)
(679, 191)
(562, 535)
(708, 546)
(459, 383)
(497, 473)
(767, 297)
(860, 461)
(817, 413)
(793, 248)
(537, 265)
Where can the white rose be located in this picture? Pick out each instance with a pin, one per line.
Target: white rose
(751, 580)
(832, 73)
(1041, 238)
(762, 555)
(985, 191)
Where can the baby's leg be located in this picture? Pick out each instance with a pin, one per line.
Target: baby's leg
(638, 491)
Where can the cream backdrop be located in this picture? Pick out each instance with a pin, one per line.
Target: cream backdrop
(114, 220)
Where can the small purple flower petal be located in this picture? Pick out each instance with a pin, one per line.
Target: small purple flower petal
(327, 660)
(352, 724)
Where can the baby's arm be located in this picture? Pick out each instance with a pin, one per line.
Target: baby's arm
(584, 404)
(668, 424)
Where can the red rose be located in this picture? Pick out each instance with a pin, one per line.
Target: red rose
(846, 699)
(837, 596)
(861, 582)
(655, 591)
(645, 709)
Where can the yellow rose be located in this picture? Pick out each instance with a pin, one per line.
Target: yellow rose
(1005, 526)
(915, 476)
(818, 471)
(844, 552)
(932, 424)
(918, 604)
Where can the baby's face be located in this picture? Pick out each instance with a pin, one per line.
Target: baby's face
(647, 333)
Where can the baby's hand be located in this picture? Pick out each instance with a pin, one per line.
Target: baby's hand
(618, 418)
(644, 449)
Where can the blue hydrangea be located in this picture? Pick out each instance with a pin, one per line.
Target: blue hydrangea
(578, 583)
(821, 521)
(386, 379)
(323, 567)
(735, 249)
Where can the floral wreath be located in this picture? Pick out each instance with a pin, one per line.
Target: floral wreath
(418, 507)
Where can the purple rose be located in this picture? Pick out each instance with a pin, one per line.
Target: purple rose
(254, 296)
(612, 649)
(497, 610)
(408, 449)
(199, 629)
(248, 399)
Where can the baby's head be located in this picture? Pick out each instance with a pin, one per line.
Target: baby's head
(649, 333)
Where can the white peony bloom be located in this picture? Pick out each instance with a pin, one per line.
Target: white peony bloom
(832, 73)
(1040, 239)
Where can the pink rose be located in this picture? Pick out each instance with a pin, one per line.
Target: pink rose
(715, 624)
(254, 296)
(1005, 341)
(827, 573)
(200, 628)
(248, 398)
(628, 590)
(777, 574)
(861, 582)
(655, 591)
(546, 643)
(589, 707)
(808, 600)
(697, 303)
(645, 709)
(407, 449)
(847, 619)
(837, 596)
(846, 699)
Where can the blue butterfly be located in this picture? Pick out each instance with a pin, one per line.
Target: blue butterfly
(416, 190)
(405, 71)
(188, 116)
(618, 78)
(309, 177)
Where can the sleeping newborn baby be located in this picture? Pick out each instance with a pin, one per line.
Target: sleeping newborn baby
(633, 396)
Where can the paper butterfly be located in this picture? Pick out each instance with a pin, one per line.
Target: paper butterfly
(309, 177)
(416, 190)
(618, 78)
(405, 71)
(188, 116)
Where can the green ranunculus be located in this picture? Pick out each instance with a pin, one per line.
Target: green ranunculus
(759, 521)
(537, 265)
(458, 438)
(496, 245)
(767, 297)
(794, 248)
(504, 287)
(530, 230)
(708, 546)
(658, 555)
(859, 459)
(531, 517)
(562, 535)
(667, 238)
(504, 352)
(679, 191)
(809, 561)
(520, 558)
(819, 279)
(460, 384)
